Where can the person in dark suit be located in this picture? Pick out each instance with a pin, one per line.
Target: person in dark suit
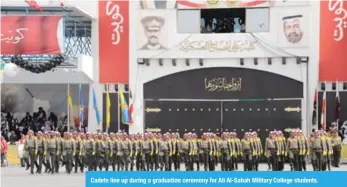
(152, 26)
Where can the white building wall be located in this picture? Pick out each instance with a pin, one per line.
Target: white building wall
(307, 73)
(140, 74)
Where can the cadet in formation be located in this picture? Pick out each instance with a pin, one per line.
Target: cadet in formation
(166, 152)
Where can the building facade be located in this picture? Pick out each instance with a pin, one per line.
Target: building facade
(256, 78)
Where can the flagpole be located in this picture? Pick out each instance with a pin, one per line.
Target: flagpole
(119, 109)
(107, 113)
(338, 97)
(68, 108)
(317, 107)
(325, 107)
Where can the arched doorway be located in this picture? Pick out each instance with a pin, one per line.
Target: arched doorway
(223, 99)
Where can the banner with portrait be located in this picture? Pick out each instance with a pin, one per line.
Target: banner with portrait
(293, 29)
(333, 43)
(154, 29)
(114, 41)
(31, 35)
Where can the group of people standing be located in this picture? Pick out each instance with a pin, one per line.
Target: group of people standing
(166, 152)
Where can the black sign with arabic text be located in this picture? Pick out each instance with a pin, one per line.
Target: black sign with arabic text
(223, 83)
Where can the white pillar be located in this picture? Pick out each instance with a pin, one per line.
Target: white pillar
(134, 77)
(92, 125)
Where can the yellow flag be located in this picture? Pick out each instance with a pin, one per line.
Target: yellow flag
(108, 108)
(69, 98)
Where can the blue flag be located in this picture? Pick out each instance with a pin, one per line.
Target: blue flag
(81, 107)
(95, 103)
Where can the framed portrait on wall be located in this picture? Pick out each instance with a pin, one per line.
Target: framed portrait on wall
(294, 29)
(153, 30)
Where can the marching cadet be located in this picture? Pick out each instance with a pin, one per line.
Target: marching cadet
(164, 153)
(175, 154)
(138, 150)
(40, 150)
(79, 155)
(135, 149)
(99, 152)
(113, 154)
(282, 145)
(329, 150)
(59, 151)
(26, 154)
(146, 152)
(89, 151)
(258, 147)
(52, 148)
(317, 151)
(155, 155)
(29, 147)
(184, 148)
(237, 149)
(126, 148)
(324, 142)
(205, 151)
(337, 146)
(246, 152)
(213, 149)
(69, 151)
(46, 157)
(193, 152)
(292, 150)
(119, 152)
(107, 145)
(225, 152)
(271, 151)
(303, 150)
(216, 154)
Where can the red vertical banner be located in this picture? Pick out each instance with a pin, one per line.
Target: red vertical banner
(333, 40)
(114, 41)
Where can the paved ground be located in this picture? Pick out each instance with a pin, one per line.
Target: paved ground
(15, 176)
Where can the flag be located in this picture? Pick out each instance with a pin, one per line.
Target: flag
(34, 5)
(131, 111)
(95, 103)
(314, 113)
(337, 104)
(69, 98)
(108, 108)
(124, 108)
(323, 116)
(81, 107)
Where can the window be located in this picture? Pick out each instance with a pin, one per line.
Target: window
(188, 21)
(257, 20)
(223, 20)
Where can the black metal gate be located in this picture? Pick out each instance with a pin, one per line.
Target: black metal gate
(218, 116)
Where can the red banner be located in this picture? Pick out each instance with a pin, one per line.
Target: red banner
(114, 41)
(31, 34)
(333, 43)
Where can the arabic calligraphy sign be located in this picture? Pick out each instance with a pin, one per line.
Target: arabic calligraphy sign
(222, 84)
(218, 45)
(31, 34)
(333, 43)
(114, 41)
